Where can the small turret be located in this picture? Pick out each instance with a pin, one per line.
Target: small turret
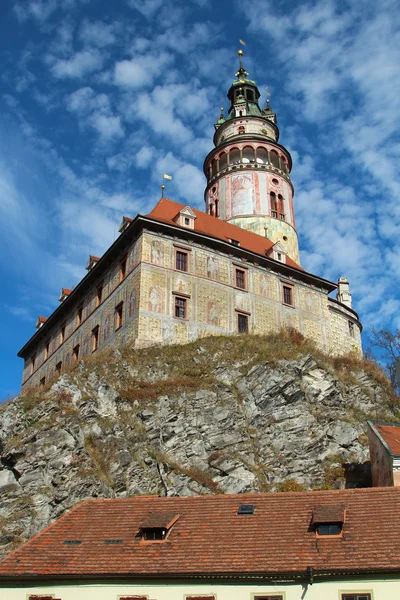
(343, 292)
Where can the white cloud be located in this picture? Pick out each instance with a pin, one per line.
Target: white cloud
(98, 33)
(95, 111)
(140, 71)
(82, 63)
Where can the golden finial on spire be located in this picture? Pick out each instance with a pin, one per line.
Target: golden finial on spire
(242, 73)
(162, 190)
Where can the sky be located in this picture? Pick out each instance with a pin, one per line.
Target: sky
(99, 99)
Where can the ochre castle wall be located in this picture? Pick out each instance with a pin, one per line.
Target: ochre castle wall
(213, 302)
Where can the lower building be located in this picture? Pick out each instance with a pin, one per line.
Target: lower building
(179, 274)
(336, 545)
(384, 450)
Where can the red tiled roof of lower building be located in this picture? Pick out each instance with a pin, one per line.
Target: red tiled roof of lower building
(391, 435)
(102, 537)
(166, 210)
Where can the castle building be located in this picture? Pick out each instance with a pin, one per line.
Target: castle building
(177, 273)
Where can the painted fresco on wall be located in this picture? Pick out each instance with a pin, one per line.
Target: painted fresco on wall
(157, 253)
(243, 195)
(263, 285)
(213, 314)
(212, 267)
(134, 256)
(132, 303)
(155, 299)
(107, 326)
(309, 302)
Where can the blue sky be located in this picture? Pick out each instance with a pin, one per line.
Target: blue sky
(98, 99)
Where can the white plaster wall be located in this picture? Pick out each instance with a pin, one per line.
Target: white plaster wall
(388, 589)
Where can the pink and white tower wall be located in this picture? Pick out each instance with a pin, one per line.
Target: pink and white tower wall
(248, 181)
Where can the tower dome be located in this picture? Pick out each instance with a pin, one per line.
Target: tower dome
(248, 181)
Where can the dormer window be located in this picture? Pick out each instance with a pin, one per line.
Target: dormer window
(186, 218)
(126, 221)
(40, 322)
(235, 242)
(65, 292)
(277, 252)
(328, 520)
(157, 526)
(92, 262)
(330, 529)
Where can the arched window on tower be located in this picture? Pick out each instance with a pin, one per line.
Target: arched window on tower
(248, 155)
(250, 95)
(234, 156)
(275, 159)
(214, 167)
(241, 129)
(284, 165)
(274, 207)
(216, 207)
(281, 207)
(223, 161)
(262, 156)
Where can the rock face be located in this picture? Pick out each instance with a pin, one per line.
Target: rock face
(197, 419)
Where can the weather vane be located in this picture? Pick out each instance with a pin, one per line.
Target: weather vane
(267, 95)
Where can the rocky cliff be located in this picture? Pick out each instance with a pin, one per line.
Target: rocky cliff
(219, 415)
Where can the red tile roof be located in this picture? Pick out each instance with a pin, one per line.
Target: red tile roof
(66, 291)
(210, 537)
(42, 319)
(166, 210)
(391, 435)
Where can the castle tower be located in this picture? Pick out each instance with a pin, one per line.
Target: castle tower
(248, 182)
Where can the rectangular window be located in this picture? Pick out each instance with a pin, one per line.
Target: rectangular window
(58, 367)
(99, 295)
(243, 323)
(33, 360)
(46, 350)
(356, 596)
(287, 295)
(181, 262)
(75, 353)
(95, 338)
(270, 597)
(42, 382)
(240, 279)
(351, 328)
(180, 307)
(281, 216)
(62, 333)
(187, 221)
(122, 269)
(119, 315)
(79, 316)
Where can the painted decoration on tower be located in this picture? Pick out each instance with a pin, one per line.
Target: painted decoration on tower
(213, 314)
(132, 303)
(155, 299)
(106, 328)
(134, 256)
(212, 267)
(243, 196)
(157, 253)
